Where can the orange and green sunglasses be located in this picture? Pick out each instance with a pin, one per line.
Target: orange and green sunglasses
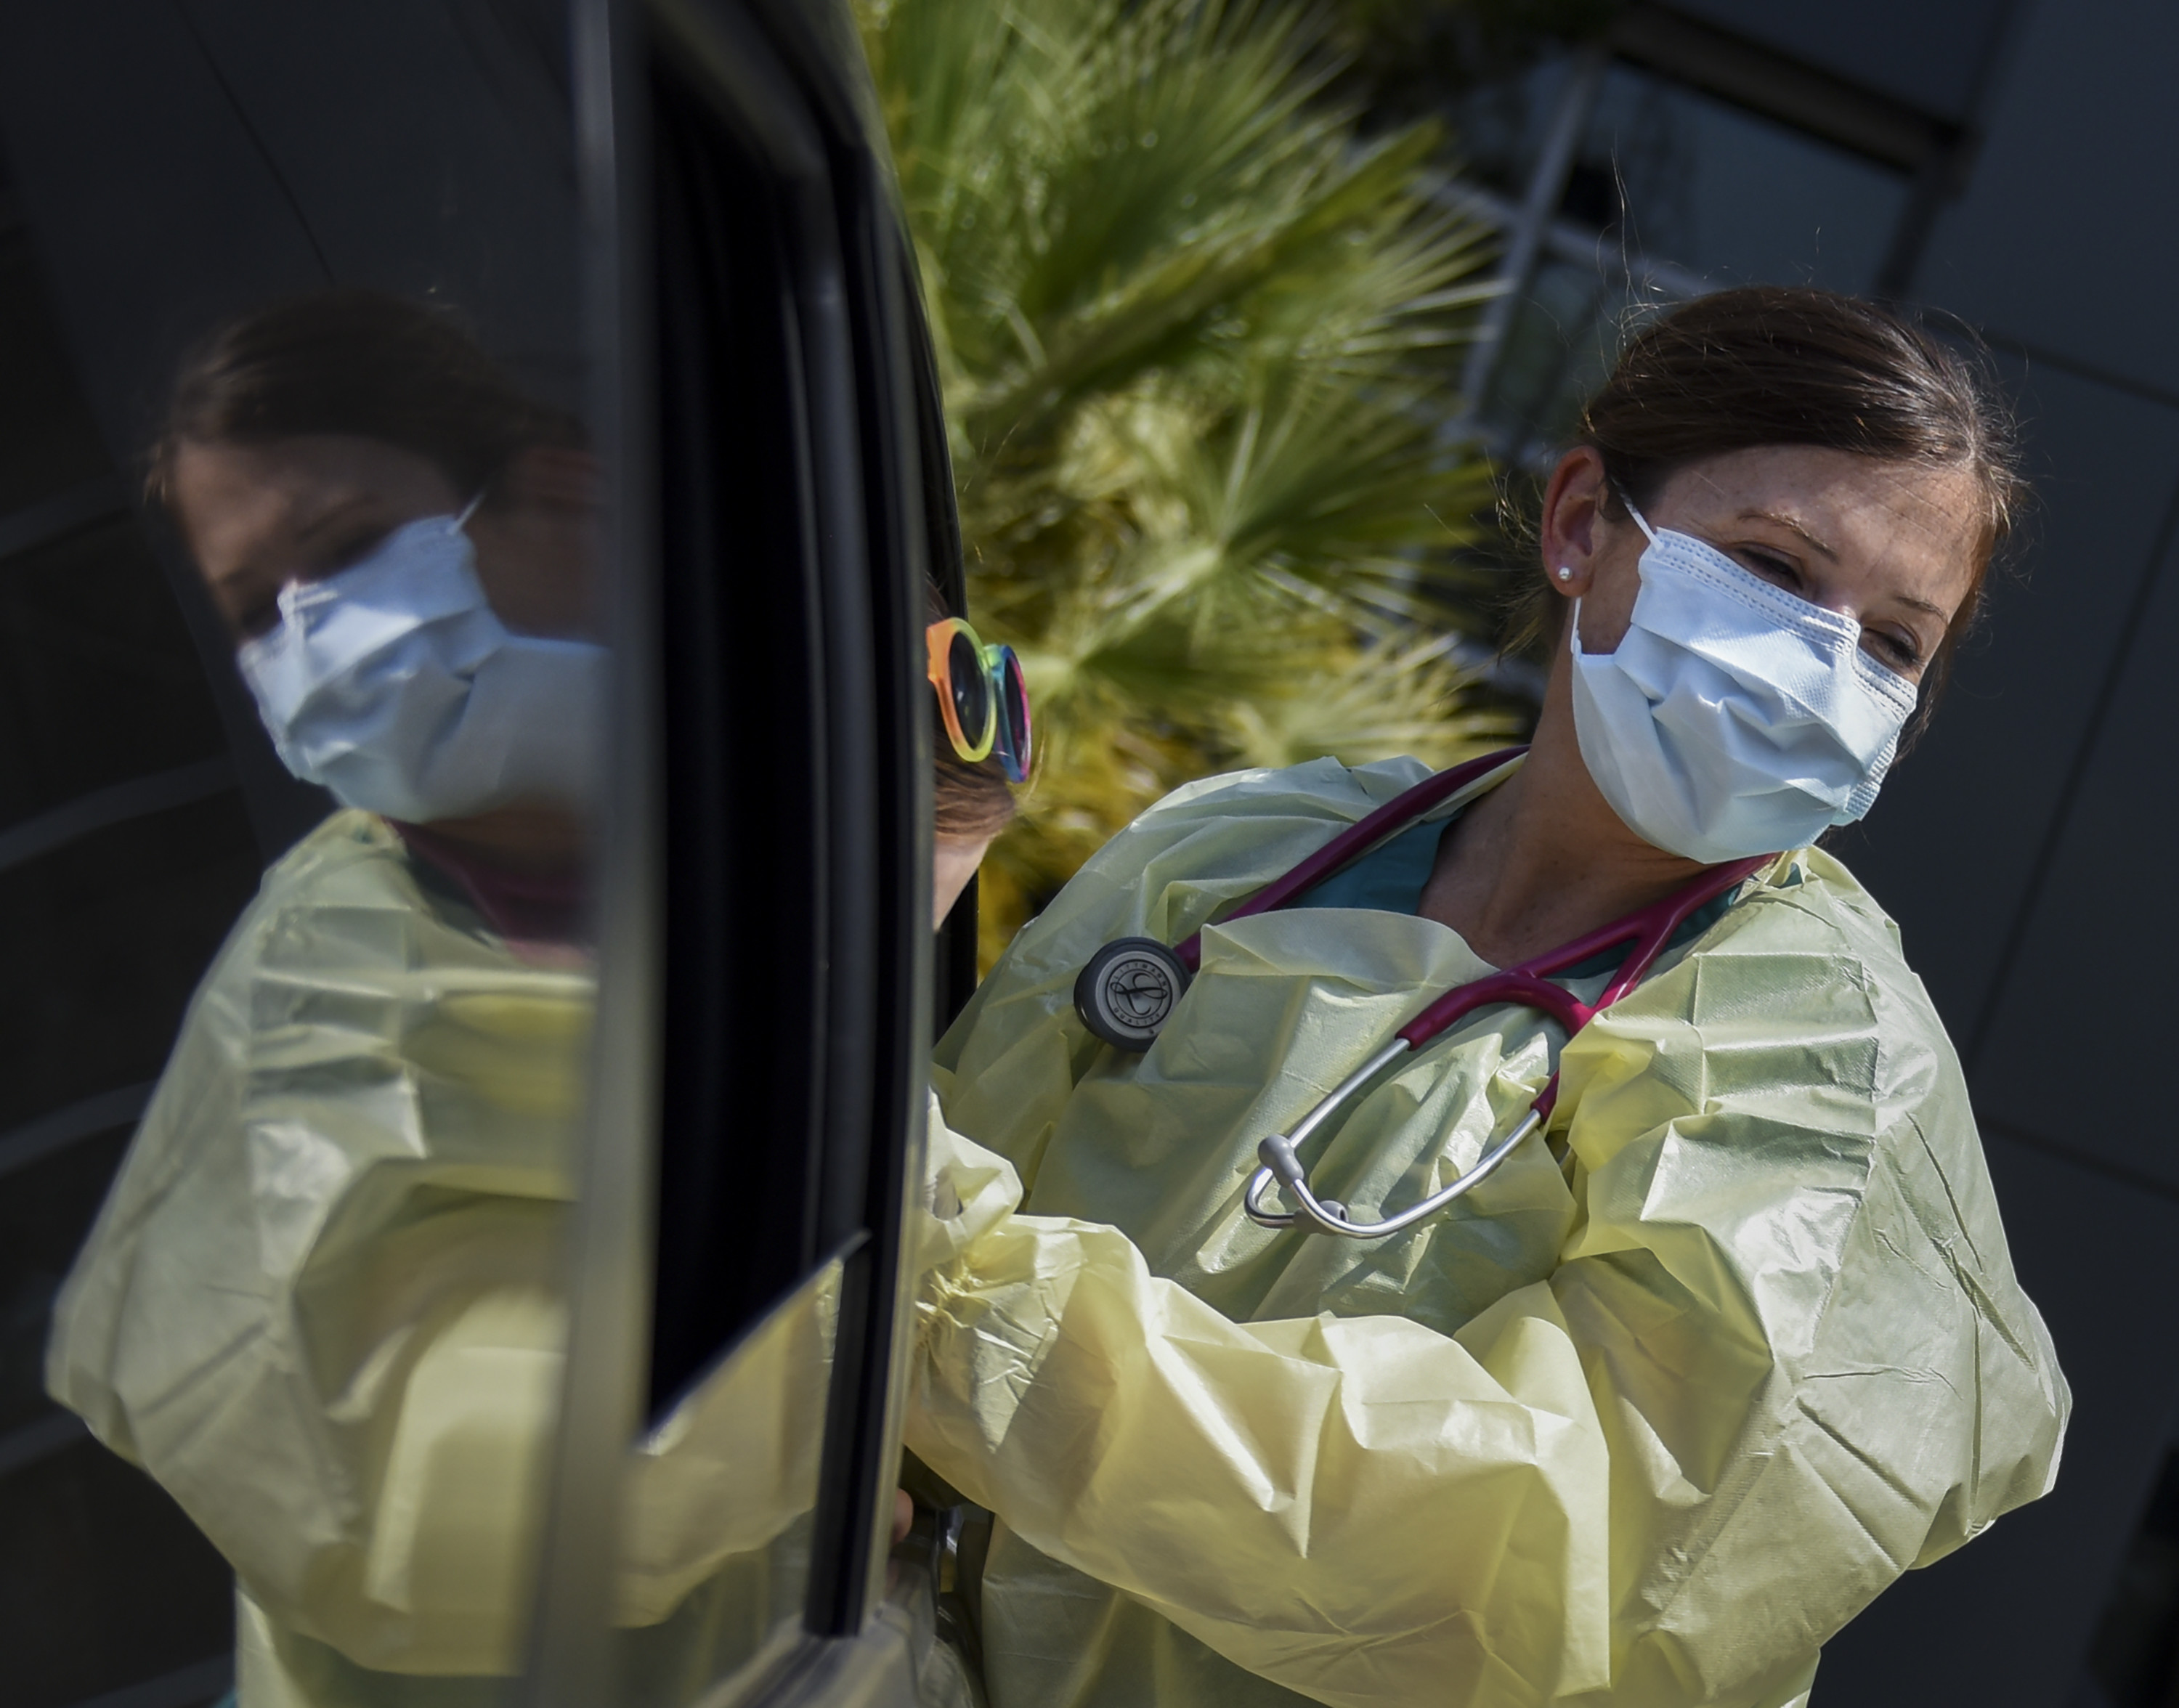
(983, 699)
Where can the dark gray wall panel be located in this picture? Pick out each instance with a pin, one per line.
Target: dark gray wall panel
(1924, 54)
(2067, 1021)
(2069, 237)
(1951, 845)
(105, 1583)
(2003, 1622)
(180, 163)
(153, 209)
(428, 151)
(153, 213)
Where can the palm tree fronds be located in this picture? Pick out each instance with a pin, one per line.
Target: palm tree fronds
(1200, 340)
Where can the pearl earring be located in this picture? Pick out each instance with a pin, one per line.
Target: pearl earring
(1565, 574)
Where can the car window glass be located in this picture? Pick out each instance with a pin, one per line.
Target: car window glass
(302, 752)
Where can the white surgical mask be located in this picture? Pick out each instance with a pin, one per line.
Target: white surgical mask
(1733, 719)
(395, 685)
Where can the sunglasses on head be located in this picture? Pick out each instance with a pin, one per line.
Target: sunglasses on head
(983, 699)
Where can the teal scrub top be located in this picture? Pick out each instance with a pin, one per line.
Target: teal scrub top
(1389, 879)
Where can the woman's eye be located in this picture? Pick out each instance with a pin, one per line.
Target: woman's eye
(1771, 567)
(1899, 651)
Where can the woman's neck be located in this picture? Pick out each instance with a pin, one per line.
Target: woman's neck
(532, 840)
(1542, 858)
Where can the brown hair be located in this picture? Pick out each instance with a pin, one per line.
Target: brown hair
(362, 361)
(1773, 365)
(969, 802)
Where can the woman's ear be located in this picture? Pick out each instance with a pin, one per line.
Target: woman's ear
(1572, 516)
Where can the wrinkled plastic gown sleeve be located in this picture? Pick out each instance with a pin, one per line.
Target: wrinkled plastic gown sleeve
(1644, 1427)
(319, 1305)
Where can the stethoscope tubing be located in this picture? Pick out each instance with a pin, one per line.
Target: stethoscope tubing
(1395, 816)
(1282, 1165)
(1648, 930)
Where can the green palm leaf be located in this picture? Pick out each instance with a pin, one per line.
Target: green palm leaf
(1197, 337)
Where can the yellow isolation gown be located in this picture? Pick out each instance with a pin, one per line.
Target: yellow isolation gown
(1642, 1421)
(321, 1307)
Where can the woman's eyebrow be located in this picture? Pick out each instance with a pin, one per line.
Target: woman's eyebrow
(1791, 526)
(305, 534)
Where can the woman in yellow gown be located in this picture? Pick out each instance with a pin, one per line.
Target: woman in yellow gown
(1655, 1410)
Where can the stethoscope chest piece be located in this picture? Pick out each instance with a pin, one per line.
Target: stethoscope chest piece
(1128, 990)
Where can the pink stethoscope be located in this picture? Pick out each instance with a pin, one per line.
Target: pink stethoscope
(1131, 987)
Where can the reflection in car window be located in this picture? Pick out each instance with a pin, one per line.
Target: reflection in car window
(321, 1306)
(316, 605)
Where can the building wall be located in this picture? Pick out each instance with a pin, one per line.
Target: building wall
(2023, 855)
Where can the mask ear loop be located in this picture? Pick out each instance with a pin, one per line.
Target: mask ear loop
(468, 511)
(1573, 622)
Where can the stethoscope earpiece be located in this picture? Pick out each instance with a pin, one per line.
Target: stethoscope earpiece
(1128, 990)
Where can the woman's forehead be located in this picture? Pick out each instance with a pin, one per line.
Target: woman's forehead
(301, 465)
(249, 509)
(1930, 518)
(1820, 475)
